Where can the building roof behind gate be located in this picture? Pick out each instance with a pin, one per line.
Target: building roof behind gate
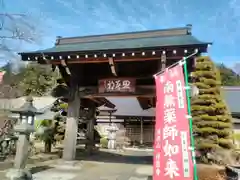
(130, 106)
(232, 97)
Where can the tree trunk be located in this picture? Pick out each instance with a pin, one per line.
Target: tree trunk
(48, 147)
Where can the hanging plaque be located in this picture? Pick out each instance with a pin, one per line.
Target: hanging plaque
(117, 85)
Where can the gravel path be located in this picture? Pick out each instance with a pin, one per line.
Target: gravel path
(104, 165)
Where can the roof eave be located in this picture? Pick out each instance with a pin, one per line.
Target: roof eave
(236, 114)
(34, 53)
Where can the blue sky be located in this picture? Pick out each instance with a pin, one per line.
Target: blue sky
(214, 21)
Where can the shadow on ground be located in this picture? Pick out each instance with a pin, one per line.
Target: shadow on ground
(37, 169)
(113, 157)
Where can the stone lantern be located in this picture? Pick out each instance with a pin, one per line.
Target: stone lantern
(27, 112)
(112, 129)
(24, 128)
(194, 91)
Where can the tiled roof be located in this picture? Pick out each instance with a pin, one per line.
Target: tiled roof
(236, 120)
(125, 44)
(133, 40)
(130, 107)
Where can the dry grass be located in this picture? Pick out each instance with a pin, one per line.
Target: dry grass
(210, 172)
(224, 157)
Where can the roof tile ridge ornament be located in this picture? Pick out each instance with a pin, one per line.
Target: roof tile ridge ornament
(58, 40)
(29, 99)
(125, 35)
(189, 29)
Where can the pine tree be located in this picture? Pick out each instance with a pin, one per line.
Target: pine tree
(212, 121)
(37, 79)
(228, 76)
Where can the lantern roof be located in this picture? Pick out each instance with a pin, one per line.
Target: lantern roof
(27, 108)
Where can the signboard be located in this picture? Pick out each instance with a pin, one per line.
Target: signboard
(117, 85)
(172, 154)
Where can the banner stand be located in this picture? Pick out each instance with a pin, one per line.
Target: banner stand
(190, 120)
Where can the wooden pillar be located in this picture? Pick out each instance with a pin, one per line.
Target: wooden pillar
(161, 67)
(141, 131)
(70, 139)
(90, 127)
(163, 61)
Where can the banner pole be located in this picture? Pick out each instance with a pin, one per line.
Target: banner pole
(176, 63)
(190, 121)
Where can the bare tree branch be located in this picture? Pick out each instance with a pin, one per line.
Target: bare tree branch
(15, 29)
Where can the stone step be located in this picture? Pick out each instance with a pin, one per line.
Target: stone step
(53, 175)
(140, 178)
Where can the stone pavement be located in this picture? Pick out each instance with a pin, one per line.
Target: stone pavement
(106, 166)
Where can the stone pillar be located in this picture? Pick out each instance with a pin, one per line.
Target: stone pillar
(22, 152)
(90, 127)
(141, 131)
(112, 130)
(18, 172)
(70, 139)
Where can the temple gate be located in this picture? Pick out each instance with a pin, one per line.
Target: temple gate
(95, 67)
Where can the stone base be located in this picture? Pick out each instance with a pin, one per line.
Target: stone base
(112, 144)
(19, 174)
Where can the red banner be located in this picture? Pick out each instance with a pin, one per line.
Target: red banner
(172, 154)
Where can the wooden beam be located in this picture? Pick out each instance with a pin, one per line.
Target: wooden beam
(94, 100)
(100, 101)
(120, 95)
(143, 91)
(63, 63)
(163, 61)
(112, 66)
(94, 89)
(64, 74)
(181, 50)
(105, 60)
